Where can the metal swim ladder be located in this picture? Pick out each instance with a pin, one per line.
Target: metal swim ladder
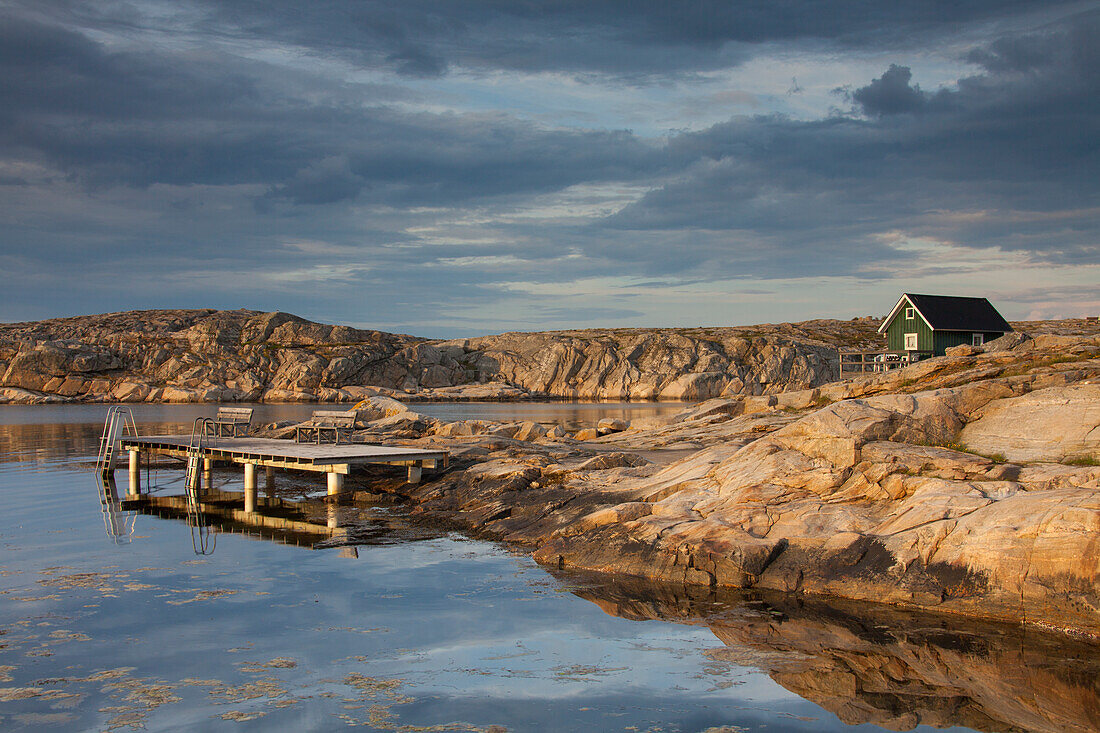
(202, 429)
(203, 436)
(119, 422)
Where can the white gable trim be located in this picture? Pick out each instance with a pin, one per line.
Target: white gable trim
(889, 319)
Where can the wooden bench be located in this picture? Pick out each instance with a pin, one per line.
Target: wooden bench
(232, 422)
(324, 424)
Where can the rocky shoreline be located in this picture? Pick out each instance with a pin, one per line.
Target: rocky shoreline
(247, 356)
(967, 484)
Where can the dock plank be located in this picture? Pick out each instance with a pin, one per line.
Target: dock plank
(287, 450)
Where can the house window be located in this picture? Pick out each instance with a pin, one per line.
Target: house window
(910, 313)
(910, 342)
(977, 339)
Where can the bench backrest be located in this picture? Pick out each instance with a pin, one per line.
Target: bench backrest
(234, 414)
(335, 418)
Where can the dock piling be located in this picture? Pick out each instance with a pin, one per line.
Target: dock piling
(335, 460)
(250, 487)
(135, 472)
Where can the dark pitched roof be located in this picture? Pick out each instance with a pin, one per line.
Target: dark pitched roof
(956, 313)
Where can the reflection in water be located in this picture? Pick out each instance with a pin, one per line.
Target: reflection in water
(309, 523)
(118, 523)
(877, 664)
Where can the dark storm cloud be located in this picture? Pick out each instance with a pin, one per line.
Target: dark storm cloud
(426, 38)
(1008, 160)
(111, 118)
(223, 180)
(647, 36)
(891, 93)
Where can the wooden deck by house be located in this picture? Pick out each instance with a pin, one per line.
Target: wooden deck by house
(876, 360)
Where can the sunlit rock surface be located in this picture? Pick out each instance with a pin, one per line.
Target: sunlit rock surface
(934, 486)
(211, 356)
(871, 494)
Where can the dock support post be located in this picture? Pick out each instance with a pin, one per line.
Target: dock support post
(135, 472)
(414, 473)
(269, 486)
(335, 483)
(250, 487)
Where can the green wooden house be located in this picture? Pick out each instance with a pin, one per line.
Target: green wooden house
(927, 325)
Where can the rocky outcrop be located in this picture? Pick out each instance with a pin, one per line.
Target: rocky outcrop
(874, 499)
(1062, 423)
(636, 364)
(225, 356)
(874, 496)
(194, 356)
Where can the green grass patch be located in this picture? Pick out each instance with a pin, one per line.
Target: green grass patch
(963, 448)
(1082, 461)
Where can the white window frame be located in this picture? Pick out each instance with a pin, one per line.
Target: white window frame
(910, 313)
(977, 339)
(910, 342)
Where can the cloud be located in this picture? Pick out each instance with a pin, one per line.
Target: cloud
(1005, 160)
(891, 93)
(139, 119)
(425, 38)
(196, 147)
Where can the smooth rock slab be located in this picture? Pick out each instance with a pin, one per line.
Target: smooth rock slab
(1046, 425)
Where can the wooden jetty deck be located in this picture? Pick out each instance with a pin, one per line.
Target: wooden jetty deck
(334, 460)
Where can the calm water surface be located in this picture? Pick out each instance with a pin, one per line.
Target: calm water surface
(413, 630)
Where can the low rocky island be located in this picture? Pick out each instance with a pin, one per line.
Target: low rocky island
(247, 356)
(966, 484)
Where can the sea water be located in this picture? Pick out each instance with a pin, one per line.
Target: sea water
(124, 622)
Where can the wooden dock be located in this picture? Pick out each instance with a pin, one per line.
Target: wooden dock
(333, 460)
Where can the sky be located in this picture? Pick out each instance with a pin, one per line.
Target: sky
(451, 168)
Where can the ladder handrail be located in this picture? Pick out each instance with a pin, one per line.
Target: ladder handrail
(118, 422)
(201, 535)
(195, 447)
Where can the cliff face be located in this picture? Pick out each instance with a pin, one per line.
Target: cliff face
(188, 356)
(208, 356)
(633, 364)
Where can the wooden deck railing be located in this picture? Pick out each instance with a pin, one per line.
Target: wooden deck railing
(881, 360)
